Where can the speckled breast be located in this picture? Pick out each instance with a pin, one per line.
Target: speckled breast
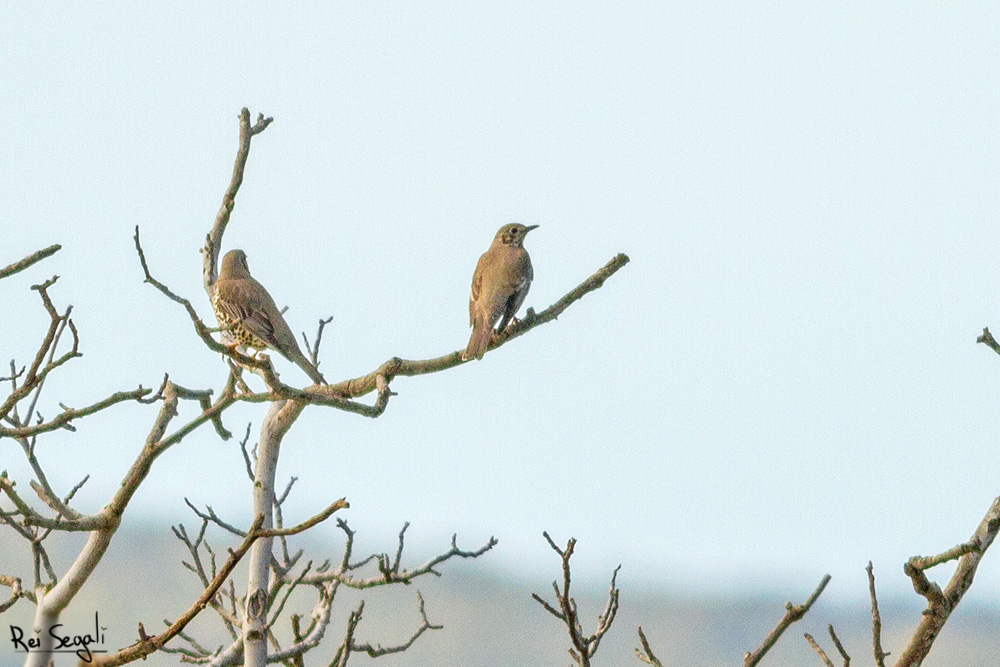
(240, 333)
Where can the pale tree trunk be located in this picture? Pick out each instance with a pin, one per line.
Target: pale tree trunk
(51, 604)
(280, 417)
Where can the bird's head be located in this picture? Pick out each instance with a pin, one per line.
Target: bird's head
(234, 265)
(513, 234)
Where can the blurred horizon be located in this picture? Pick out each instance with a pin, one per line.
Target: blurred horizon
(490, 619)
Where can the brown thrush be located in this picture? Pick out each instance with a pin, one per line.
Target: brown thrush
(499, 285)
(244, 307)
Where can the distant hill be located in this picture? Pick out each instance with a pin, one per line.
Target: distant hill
(490, 619)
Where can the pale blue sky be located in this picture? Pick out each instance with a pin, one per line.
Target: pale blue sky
(782, 383)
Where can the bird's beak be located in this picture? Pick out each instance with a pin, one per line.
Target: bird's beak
(529, 228)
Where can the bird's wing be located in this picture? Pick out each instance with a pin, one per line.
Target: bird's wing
(519, 278)
(251, 307)
(477, 288)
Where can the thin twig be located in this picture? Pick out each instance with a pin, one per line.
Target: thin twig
(816, 647)
(987, 339)
(15, 591)
(793, 613)
(313, 350)
(213, 242)
(387, 573)
(203, 331)
(379, 650)
(879, 654)
(33, 258)
(840, 647)
(64, 418)
(646, 654)
(583, 647)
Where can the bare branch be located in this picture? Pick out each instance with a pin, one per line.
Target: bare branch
(106, 522)
(199, 650)
(395, 367)
(880, 655)
(584, 647)
(822, 654)
(646, 653)
(343, 653)
(793, 613)
(151, 644)
(10, 519)
(816, 647)
(61, 324)
(391, 573)
(192, 546)
(313, 350)
(549, 608)
(940, 604)
(204, 398)
(68, 415)
(840, 647)
(379, 650)
(203, 331)
(988, 340)
(36, 372)
(246, 455)
(304, 640)
(33, 518)
(146, 646)
(213, 242)
(14, 376)
(284, 495)
(214, 518)
(956, 552)
(320, 395)
(34, 257)
(339, 395)
(288, 592)
(42, 488)
(345, 563)
(15, 591)
(309, 523)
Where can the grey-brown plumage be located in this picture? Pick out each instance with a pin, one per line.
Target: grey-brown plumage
(499, 286)
(243, 306)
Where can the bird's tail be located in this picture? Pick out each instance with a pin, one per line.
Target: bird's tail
(310, 370)
(478, 342)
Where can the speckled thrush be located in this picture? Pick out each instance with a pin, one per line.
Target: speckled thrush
(244, 307)
(499, 285)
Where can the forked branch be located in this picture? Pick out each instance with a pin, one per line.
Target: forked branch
(348, 645)
(822, 654)
(940, 603)
(147, 645)
(646, 653)
(583, 646)
(793, 613)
